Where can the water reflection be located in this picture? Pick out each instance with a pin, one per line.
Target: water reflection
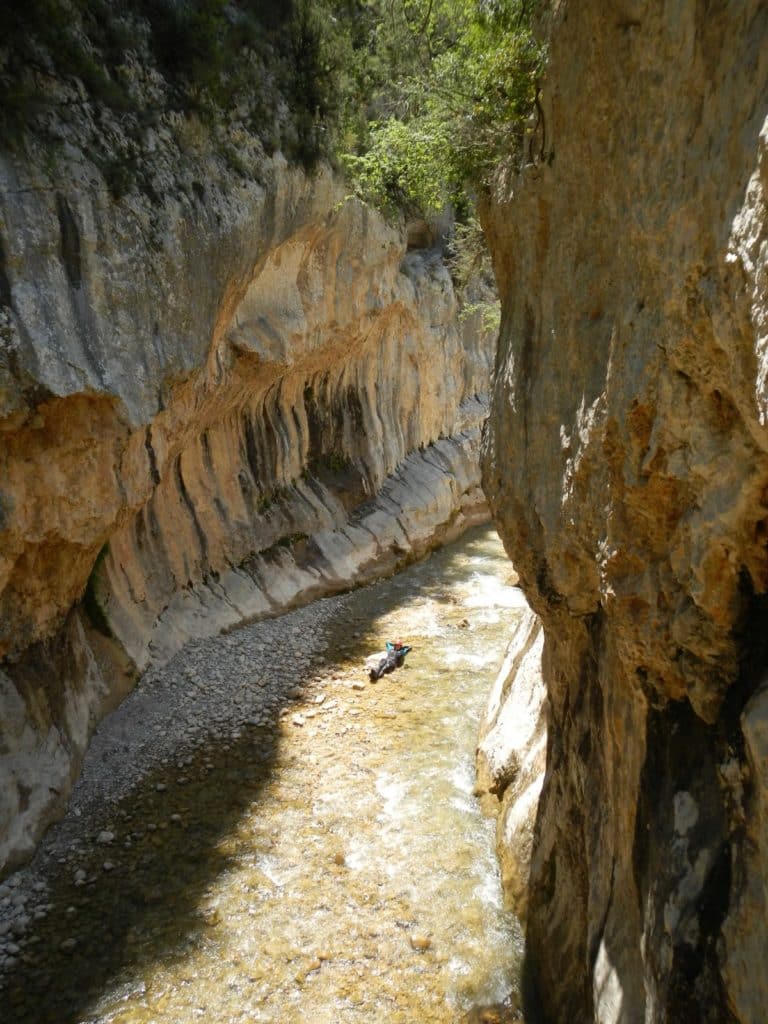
(335, 870)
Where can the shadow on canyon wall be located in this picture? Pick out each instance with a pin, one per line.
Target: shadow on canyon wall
(150, 907)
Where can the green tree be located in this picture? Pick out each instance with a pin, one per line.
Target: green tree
(450, 86)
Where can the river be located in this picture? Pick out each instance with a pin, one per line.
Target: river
(316, 856)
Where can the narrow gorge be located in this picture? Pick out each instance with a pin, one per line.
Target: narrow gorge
(251, 364)
(261, 399)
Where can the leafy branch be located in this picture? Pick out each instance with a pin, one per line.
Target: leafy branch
(457, 83)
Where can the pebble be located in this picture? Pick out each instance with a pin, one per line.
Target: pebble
(202, 698)
(420, 942)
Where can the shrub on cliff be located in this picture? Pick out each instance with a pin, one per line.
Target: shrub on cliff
(273, 64)
(421, 98)
(452, 84)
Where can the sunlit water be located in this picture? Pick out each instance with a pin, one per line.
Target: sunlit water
(335, 870)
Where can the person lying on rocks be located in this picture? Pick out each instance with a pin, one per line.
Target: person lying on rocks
(394, 658)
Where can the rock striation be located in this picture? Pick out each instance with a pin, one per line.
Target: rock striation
(219, 397)
(627, 469)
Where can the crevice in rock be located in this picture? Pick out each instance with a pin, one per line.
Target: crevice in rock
(153, 470)
(69, 242)
(190, 506)
(5, 284)
(682, 861)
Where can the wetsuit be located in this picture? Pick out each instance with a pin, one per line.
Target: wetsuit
(393, 659)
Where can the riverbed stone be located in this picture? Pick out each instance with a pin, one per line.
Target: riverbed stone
(161, 703)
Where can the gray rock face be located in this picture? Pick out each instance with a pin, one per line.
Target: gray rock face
(511, 757)
(627, 466)
(213, 405)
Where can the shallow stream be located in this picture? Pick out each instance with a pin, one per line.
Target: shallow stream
(323, 862)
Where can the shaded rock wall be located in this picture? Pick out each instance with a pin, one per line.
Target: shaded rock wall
(627, 469)
(212, 406)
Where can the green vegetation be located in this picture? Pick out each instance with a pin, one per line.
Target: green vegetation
(469, 263)
(450, 85)
(279, 493)
(418, 99)
(245, 59)
(290, 540)
(333, 462)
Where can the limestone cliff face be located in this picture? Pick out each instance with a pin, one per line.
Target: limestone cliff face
(627, 469)
(212, 405)
(511, 757)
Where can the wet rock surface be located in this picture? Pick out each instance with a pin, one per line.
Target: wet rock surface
(254, 838)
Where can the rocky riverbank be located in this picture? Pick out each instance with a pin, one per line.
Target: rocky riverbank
(260, 398)
(266, 754)
(204, 699)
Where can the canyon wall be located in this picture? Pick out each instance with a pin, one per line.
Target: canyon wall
(220, 395)
(626, 464)
(511, 757)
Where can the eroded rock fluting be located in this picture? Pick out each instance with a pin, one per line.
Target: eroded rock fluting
(218, 397)
(627, 469)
